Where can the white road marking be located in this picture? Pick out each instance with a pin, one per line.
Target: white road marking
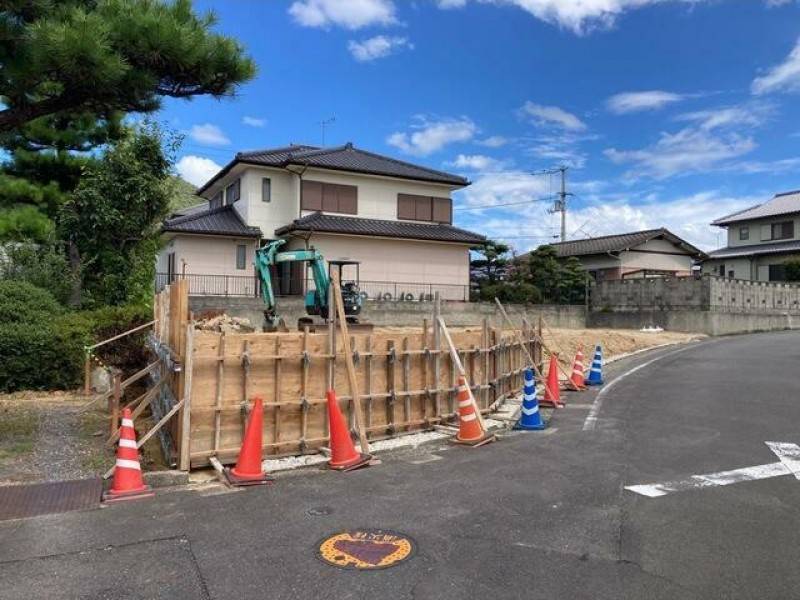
(591, 419)
(789, 455)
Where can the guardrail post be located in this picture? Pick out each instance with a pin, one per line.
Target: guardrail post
(113, 402)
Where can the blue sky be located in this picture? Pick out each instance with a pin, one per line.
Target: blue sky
(669, 112)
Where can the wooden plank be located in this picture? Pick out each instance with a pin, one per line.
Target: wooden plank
(351, 372)
(368, 375)
(278, 367)
(184, 450)
(390, 387)
(437, 347)
(460, 367)
(220, 388)
(406, 380)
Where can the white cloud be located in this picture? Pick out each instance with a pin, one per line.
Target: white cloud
(377, 47)
(563, 148)
(196, 169)
(493, 141)
(528, 226)
(579, 16)
(475, 162)
(208, 135)
(552, 116)
(428, 136)
(753, 114)
(628, 102)
(254, 121)
(784, 77)
(350, 14)
(504, 187)
(687, 151)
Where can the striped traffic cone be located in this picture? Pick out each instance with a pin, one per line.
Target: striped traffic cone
(576, 379)
(470, 429)
(552, 391)
(530, 419)
(596, 372)
(127, 483)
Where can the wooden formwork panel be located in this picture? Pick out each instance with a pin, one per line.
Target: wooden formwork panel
(397, 376)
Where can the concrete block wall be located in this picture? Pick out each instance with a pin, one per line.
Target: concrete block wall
(707, 304)
(399, 314)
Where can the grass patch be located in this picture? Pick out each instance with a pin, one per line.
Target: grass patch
(18, 429)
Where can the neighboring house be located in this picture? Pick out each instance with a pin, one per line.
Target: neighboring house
(392, 216)
(760, 239)
(650, 253)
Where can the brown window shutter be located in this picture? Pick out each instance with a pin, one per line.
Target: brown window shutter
(424, 208)
(330, 201)
(312, 195)
(348, 199)
(443, 210)
(406, 206)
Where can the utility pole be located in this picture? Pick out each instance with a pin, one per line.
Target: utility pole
(324, 123)
(560, 203)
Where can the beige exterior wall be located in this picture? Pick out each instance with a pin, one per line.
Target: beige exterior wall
(377, 196)
(756, 269)
(210, 255)
(414, 263)
(760, 231)
(656, 255)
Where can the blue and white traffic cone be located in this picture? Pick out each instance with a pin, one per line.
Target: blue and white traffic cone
(531, 418)
(596, 372)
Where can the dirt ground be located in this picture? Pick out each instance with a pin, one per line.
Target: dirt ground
(45, 436)
(615, 342)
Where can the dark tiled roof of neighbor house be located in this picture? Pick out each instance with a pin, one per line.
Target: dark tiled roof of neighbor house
(381, 228)
(790, 247)
(339, 158)
(620, 242)
(782, 204)
(215, 221)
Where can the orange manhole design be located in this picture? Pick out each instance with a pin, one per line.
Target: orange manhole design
(365, 549)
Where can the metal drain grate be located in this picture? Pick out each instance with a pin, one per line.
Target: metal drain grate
(20, 501)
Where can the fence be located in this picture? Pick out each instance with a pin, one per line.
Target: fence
(407, 380)
(244, 285)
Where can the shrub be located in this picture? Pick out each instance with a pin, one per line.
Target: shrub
(22, 302)
(42, 345)
(45, 355)
(42, 265)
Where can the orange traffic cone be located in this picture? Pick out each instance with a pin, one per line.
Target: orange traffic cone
(576, 379)
(248, 469)
(552, 394)
(128, 483)
(343, 452)
(470, 430)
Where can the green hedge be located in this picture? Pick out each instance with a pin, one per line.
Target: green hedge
(42, 345)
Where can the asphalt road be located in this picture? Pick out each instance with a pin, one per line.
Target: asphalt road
(536, 515)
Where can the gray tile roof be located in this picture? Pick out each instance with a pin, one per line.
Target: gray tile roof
(617, 243)
(792, 246)
(339, 158)
(216, 221)
(381, 228)
(782, 204)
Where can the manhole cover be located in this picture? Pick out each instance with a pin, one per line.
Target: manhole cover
(366, 549)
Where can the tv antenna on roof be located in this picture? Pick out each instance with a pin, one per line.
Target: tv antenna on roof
(325, 123)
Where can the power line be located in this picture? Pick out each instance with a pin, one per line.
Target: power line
(487, 206)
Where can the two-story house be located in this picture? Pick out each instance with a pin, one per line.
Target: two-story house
(393, 217)
(760, 239)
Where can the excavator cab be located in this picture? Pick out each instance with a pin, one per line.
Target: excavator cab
(351, 290)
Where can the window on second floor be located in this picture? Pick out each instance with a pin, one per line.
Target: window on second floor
(744, 233)
(233, 192)
(241, 257)
(329, 197)
(783, 230)
(266, 189)
(424, 208)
